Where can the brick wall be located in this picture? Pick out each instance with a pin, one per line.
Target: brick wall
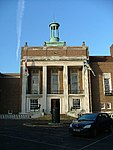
(55, 51)
(10, 94)
(100, 65)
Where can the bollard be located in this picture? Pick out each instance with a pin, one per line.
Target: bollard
(56, 115)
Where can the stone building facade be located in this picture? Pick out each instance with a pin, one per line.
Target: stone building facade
(57, 75)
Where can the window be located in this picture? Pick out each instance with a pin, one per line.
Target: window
(102, 105)
(107, 82)
(35, 82)
(34, 104)
(54, 81)
(76, 103)
(106, 85)
(108, 105)
(74, 82)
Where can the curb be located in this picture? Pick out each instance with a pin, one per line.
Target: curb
(54, 125)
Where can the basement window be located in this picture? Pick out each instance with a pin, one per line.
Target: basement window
(34, 106)
(108, 105)
(102, 105)
(76, 103)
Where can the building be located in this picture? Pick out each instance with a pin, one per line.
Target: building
(57, 75)
(102, 83)
(10, 99)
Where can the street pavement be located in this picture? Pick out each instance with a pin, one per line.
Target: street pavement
(42, 135)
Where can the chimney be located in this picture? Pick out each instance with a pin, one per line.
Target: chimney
(83, 43)
(111, 50)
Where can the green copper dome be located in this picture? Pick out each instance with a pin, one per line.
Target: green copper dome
(54, 35)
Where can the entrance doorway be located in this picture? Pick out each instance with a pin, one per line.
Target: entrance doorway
(55, 103)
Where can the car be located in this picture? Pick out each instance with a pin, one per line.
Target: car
(91, 124)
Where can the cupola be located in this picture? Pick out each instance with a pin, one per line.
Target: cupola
(54, 36)
(54, 32)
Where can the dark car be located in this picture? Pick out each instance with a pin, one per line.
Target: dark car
(91, 124)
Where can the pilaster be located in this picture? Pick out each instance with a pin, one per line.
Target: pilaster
(24, 86)
(44, 87)
(65, 76)
(86, 89)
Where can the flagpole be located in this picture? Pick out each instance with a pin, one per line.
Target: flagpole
(87, 66)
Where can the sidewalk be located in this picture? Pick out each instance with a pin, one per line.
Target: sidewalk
(46, 121)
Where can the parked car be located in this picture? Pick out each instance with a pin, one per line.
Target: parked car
(91, 124)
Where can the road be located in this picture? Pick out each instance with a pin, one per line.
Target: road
(16, 135)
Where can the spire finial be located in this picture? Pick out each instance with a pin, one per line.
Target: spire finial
(54, 18)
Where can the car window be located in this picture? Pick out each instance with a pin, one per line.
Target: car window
(102, 116)
(88, 117)
(105, 116)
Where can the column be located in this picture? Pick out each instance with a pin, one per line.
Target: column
(24, 82)
(86, 90)
(65, 76)
(44, 88)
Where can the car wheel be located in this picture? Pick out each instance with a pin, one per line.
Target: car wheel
(94, 133)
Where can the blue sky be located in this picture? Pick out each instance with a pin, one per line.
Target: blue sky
(28, 21)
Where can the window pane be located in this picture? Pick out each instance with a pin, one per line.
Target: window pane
(106, 84)
(102, 105)
(108, 105)
(54, 81)
(74, 83)
(76, 103)
(33, 104)
(35, 83)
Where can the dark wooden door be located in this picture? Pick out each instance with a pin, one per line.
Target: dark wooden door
(55, 103)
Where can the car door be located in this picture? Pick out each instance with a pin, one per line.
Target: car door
(100, 122)
(106, 121)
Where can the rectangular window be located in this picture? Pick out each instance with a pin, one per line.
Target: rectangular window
(106, 85)
(34, 104)
(76, 103)
(108, 105)
(54, 81)
(107, 82)
(74, 85)
(35, 82)
(102, 105)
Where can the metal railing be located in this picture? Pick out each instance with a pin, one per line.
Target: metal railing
(33, 92)
(55, 92)
(59, 92)
(76, 91)
(15, 116)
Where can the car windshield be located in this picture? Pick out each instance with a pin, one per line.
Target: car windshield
(87, 117)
